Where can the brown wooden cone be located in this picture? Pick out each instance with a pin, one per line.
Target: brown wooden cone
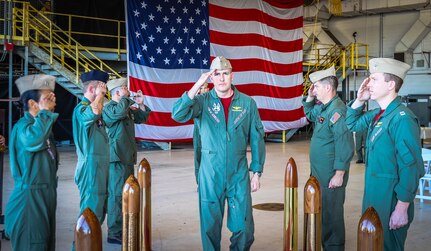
(312, 196)
(312, 216)
(125, 211)
(144, 178)
(133, 213)
(88, 233)
(370, 231)
(291, 174)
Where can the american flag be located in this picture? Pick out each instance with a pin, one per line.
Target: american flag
(172, 42)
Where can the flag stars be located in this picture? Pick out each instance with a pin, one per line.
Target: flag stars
(192, 60)
(192, 1)
(198, 50)
(173, 51)
(179, 1)
(152, 59)
(192, 40)
(159, 8)
(166, 40)
(186, 50)
(151, 17)
(198, 11)
(172, 30)
(144, 26)
(151, 38)
(178, 20)
(139, 56)
(179, 40)
(204, 22)
(172, 9)
(159, 29)
(143, 5)
(198, 31)
(186, 30)
(204, 3)
(136, 13)
(144, 47)
(185, 10)
(205, 61)
(167, 61)
(137, 34)
(204, 42)
(166, 19)
(180, 61)
(159, 50)
(191, 20)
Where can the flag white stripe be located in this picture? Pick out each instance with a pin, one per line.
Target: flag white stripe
(246, 27)
(271, 126)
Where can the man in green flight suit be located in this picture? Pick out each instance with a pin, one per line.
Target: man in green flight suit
(394, 161)
(91, 140)
(331, 150)
(229, 121)
(120, 116)
(30, 213)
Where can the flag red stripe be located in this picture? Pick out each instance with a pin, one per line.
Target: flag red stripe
(254, 64)
(164, 119)
(232, 14)
(255, 40)
(285, 4)
(176, 90)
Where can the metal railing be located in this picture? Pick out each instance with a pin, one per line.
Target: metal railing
(322, 56)
(31, 25)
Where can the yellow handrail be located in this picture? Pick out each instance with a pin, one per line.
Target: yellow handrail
(31, 25)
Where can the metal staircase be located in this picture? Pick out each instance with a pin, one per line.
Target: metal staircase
(51, 50)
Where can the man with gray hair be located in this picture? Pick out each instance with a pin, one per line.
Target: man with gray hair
(331, 150)
(120, 117)
(228, 121)
(91, 140)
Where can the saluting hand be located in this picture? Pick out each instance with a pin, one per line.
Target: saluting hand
(204, 78)
(47, 102)
(101, 89)
(139, 98)
(363, 92)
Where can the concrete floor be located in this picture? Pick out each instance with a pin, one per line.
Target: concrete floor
(175, 207)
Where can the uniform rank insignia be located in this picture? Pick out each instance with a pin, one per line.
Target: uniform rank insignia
(335, 118)
(84, 103)
(216, 108)
(321, 119)
(236, 108)
(402, 113)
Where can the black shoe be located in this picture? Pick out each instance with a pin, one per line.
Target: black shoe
(359, 161)
(115, 239)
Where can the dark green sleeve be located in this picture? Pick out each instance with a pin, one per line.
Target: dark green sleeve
(309, 109)
(356, 120)
(257, 142)
(34, 135)
(406, 133)
(114, 111)
(185, 108)
(141, 116)
(343, 142)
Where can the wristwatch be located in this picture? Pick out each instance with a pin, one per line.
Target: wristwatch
(258, 174)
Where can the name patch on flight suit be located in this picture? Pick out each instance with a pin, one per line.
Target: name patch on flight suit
(213, 115)
(379, 124)
(375, 134)
(335, 118)
(239, 116)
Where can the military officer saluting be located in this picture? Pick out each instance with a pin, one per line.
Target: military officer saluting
(30, 213)
(331, 150)
(228, 121)
(91, 140)
(394, 162)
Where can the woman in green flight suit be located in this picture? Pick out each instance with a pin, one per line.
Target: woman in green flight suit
(30, 213)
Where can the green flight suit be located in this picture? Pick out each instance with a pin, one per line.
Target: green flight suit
(30, 213)
(91, 174)
(393, 163)
(120, 125)
(224, 171)
(197, 148)
(360, 139)
(331, 149)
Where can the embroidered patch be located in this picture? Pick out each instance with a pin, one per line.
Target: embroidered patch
(236, 108)
(375, 135)
(216, 108)
(213, 115)
(239, 116)
(335, 118)
(402, 113)
(321, 119)
(379, 124)
(84, 103)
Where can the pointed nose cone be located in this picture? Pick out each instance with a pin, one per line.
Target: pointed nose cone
(312, 196)
(370, 231)
(291, 175)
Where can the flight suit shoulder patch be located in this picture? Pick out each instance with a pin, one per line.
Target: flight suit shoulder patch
(335, 118)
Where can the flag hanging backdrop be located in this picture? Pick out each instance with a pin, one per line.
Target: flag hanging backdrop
(172, 42)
